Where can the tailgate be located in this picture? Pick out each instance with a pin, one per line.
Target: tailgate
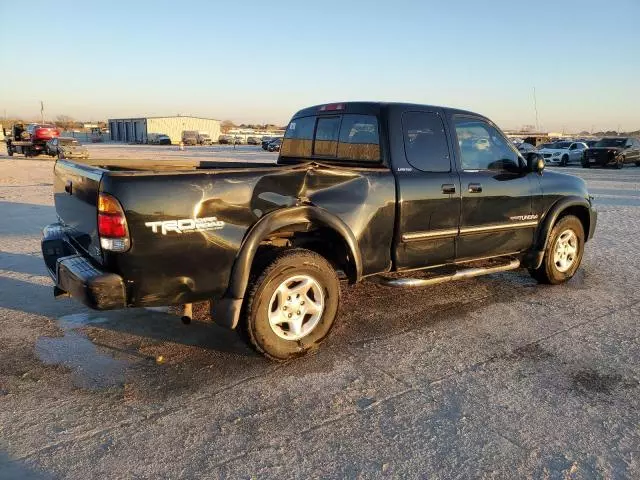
(75, 192)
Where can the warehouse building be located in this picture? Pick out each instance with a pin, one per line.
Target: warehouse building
(138, 130)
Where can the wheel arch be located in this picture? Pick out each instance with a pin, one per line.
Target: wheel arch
(576, 206)
(226, 311)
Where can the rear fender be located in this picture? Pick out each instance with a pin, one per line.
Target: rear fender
(226, 311)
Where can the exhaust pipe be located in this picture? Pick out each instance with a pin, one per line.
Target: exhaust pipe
(187, 313)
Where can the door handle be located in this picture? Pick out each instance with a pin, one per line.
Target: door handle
(448, 188)
(475, 188)
(68, 186)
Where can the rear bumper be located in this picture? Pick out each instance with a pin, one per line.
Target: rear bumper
(77, 276)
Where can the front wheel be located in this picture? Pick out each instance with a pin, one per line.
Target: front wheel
(563, 253)
(620, 163)
(291, 306)
(565, 161)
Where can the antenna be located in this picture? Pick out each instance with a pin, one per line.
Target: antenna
(535, 107)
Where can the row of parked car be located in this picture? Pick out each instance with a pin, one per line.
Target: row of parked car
(610, 151)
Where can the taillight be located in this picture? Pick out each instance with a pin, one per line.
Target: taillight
(112, 224)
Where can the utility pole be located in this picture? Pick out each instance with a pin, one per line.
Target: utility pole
(535, 107)
(41, 111)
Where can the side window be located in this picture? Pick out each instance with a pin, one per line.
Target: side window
(327, 131)
(573, 146)
(359, 138)
(425, 143)
(298, 138)
(483, 147)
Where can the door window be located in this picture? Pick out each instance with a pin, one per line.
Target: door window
(573, 146)
(425, 143)
(483, 147)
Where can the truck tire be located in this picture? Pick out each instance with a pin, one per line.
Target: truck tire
(291, 305)
(9, 150)
(563, 254)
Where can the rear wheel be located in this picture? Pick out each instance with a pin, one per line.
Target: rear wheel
(291, 306)
(563, 253)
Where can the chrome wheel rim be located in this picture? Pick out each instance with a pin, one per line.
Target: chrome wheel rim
(296, 307)
(565, 250)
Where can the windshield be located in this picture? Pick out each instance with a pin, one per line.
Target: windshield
(611, 142)
(562, 145)
(547, 145)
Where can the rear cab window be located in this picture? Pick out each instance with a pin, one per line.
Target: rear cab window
(345, 138)
(425, 142)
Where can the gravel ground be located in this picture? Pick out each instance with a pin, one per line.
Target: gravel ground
(492, 377)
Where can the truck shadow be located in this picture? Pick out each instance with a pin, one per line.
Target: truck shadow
(10, 469)
(24, 218)
(22, 263)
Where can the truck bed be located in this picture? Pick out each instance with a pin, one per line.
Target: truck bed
(128, 164)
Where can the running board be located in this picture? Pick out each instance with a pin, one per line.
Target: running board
(459, 275)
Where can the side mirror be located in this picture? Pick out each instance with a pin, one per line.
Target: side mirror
(535, 162)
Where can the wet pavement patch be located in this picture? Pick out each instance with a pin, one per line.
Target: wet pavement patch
(91, 368)
(593, 381)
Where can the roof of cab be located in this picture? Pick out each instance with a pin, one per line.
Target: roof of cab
(371, 108)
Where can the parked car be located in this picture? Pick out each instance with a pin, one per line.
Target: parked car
(164, 139)
(615, 151)
(253, 141)
(364, 189)
(158, 139)
(204, 138)
(266, 141)
(274, 146)
(238, 140)
(225, 139)
(190, 137)
(525, 148)
(66, 147)
(563, 153)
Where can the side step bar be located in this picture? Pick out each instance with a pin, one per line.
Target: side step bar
(459, 275)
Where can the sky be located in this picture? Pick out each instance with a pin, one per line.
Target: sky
(259, 62)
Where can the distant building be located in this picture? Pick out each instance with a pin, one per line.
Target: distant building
(137, 130)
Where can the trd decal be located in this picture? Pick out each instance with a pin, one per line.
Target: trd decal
(185, 225)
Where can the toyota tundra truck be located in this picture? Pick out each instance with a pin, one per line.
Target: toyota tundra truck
(404, 195)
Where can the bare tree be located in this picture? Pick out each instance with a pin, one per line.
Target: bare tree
(226, 125)
(65, 122)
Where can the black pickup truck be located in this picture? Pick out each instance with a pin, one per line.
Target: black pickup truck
(359, 190)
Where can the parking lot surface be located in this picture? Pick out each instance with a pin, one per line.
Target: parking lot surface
(491, 377)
